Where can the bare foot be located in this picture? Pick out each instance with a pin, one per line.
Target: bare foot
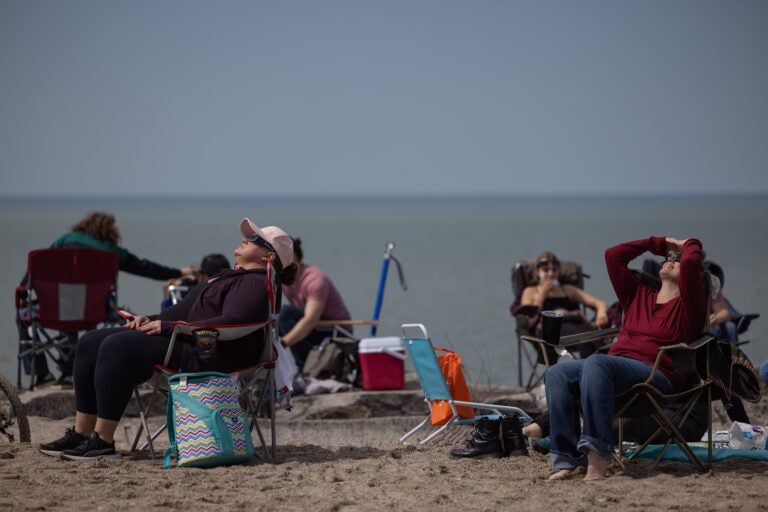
(533, 430)
(565, 474)
(597, 466)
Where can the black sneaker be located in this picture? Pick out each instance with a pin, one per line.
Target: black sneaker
(91, 449)
(70, 440)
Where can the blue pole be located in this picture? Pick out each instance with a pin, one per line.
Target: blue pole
(382, 285)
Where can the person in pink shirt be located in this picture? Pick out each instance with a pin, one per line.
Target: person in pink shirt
(313, 297)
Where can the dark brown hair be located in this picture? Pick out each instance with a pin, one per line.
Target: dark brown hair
(288, 274)
(100, 225)
(547, 258)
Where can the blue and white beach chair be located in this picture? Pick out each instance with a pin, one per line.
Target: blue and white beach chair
(433, 383)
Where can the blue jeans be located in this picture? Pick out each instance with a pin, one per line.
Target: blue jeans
(594, 382)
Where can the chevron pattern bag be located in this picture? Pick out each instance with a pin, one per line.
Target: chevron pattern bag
(206, 425)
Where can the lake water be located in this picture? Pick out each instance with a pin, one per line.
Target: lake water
(456, 252)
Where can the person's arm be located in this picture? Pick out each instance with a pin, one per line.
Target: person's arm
(576, 294)
(690, 283)
(617, 259)
(720, 312)
(312, 312)
(132, 264)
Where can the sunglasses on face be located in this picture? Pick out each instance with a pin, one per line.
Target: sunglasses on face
(257, 240)
(674, 257)
(549, 269)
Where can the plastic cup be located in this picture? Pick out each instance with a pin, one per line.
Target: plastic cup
(551, 321)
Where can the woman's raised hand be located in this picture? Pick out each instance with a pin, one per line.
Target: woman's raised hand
(673, 244)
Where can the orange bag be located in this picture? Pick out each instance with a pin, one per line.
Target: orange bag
(450, 364)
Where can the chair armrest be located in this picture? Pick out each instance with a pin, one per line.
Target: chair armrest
(744, 320)
(588, 337)
(536, 339)
(329, 323)
(683, 355)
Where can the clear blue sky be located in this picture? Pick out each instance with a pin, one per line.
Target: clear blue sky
(355, 97)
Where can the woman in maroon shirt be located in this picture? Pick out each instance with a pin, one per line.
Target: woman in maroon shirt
(652, 319)
(110, 362)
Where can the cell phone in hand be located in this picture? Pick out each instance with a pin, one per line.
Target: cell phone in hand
(126, 314)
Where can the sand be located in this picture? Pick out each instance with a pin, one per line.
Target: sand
(357, 464)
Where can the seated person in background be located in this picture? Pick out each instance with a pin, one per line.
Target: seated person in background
(721, 321)
(110, 362)
(98, 230)
(652, 319)
(313, 297)
(210, 265)
(550, 294)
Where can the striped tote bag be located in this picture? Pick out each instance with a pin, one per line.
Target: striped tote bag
(206, 425)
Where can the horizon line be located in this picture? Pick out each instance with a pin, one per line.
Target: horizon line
(391, 195)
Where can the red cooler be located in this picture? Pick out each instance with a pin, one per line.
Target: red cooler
(382, 363)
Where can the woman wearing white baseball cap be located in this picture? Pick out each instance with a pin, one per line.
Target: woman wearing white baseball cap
(110, 362)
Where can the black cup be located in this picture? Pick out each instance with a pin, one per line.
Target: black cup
(551, 321)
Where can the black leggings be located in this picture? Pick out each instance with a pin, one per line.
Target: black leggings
(110, 362)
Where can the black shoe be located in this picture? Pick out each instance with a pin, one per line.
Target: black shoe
(65, 381)
(484, 442)
(512, 437)
(70, 440)
(91, 449)
(41, 382)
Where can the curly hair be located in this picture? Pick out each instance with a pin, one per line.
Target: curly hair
(100, 225)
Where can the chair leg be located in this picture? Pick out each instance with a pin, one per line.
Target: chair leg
(414, 430)
(144, 426)
(267, 389)
(677, 436)
(439, 431)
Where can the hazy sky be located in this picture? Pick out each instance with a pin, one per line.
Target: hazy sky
(350, 97)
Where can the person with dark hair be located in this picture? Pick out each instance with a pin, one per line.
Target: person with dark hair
(97, 230)
(176, 289)
(313, 297)
(652, 319)
(110, 362)
(548, 294)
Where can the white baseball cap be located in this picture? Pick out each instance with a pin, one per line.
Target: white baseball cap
(274, 236)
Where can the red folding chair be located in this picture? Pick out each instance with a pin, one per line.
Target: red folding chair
(67, 290)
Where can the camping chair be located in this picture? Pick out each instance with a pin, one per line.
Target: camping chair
(643, 399)
(531, 354)
(693, 360)
(435, 388)
(248, 377)
(260, 380)
(67, 290)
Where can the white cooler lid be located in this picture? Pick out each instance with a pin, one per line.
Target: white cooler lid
(369, 345)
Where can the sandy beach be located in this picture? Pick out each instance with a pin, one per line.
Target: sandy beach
(357, 464)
